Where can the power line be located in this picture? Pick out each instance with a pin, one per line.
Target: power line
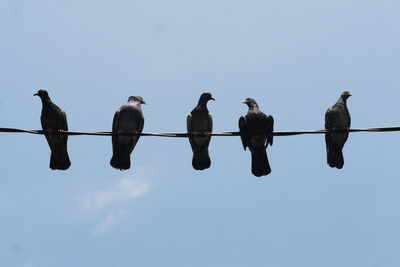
(278, 133)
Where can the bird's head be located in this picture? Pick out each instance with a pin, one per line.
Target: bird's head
(250, 102)
(138, 99)
(42, 94)
(345, 95)
(205, 97)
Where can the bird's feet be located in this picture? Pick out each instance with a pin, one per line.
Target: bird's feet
(208, 134)
(195, 134)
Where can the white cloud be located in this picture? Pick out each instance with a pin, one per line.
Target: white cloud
(109, 202)
(109, 221)
(125, 189)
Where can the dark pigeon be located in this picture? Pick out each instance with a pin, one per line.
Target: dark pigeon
(337, 117)
(256, 130)
(53, 120)
(128, 119)
(199, 123)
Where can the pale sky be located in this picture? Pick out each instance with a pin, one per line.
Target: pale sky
(294, 57)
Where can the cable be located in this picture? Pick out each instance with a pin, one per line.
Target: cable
(281, 133)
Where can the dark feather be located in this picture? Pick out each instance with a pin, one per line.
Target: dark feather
(243, 129)
(128, 119)
(337, 117)
(256, 130)
(199, 122)
(53, 119)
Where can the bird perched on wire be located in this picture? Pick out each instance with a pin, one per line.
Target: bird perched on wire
(337, 117)
(199, 123)
(127, 126)
(54, 121)
(256, 130)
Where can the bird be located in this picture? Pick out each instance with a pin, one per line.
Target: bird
(54, 121)
(199, 122)
(256, 130)
(337, 117)
(127, 120)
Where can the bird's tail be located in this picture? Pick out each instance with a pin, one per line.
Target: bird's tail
(121, 159)
(201, 160)
(59, 159)
(335, 158)
(259, 162)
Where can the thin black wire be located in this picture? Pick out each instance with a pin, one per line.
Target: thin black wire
(280, 133)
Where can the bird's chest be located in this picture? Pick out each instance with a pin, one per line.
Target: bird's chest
(257, 133)
(256, 124)
(129, 119)
(341, 118)
(200, 122)
(51, 119)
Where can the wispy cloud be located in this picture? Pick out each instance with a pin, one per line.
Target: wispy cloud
(125, 189)
(109, 221)
(108, 205)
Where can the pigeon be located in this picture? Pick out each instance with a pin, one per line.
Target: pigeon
(54, 121)
(337, 117)
(128, 119)
(199, 123)
(256, 130)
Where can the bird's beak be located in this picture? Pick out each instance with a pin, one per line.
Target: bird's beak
(35, 94)
(212, 98)
(143, 102)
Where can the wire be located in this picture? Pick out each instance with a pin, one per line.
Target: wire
(282, 133)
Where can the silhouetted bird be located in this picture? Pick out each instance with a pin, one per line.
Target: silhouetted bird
(128, 119)
(53, 120)
(256, 130)
(199, 123)
(337, 118)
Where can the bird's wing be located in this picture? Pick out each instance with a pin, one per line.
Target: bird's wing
(270, 123)
(64, 122)
(210, 123)
(348, 114)
(243, 131)
(64, 126)
(189, 123)
(115, 121)
(141, 124)
(114, 128)
(189, 127)
(328, 124)
(328, 118)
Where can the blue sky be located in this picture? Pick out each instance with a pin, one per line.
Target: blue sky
(293, 57)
